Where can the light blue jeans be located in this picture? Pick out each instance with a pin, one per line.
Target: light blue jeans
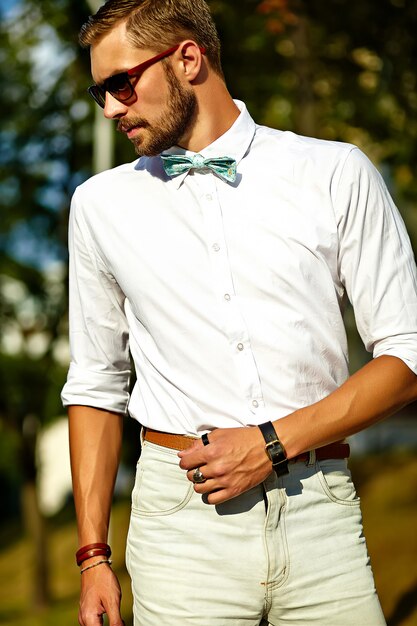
(289, 552)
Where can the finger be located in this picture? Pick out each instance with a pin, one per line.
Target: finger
(208, 485)
(90, 619)
(193, 458)
(115, 619)
(203, 470)
(113, 614)
(195, 447)
(219, 496)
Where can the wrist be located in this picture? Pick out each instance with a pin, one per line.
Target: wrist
(274, 448)
(91, 560)
(87, 565)
(92, 550)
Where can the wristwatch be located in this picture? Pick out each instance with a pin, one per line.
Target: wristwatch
(274, 449)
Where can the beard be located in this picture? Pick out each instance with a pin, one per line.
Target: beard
(172, 124)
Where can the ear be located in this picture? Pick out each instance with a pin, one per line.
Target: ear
(191, 58)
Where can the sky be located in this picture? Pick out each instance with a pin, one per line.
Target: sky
(7, 6)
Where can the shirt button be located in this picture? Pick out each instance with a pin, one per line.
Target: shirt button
(240, 347)
(255, 403)
(216, 247)
(227, 297)
(209, 196)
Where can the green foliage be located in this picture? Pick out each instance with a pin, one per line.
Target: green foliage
(45, 151)
(338, 70)
(46, 130)
(331, 68)
(335, 69)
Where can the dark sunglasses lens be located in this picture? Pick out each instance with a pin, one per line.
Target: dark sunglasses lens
(98, 94)
(119, 86)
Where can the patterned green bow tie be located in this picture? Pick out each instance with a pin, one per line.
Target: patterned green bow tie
(175, 164)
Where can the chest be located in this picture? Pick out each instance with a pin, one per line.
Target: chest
(266, 234)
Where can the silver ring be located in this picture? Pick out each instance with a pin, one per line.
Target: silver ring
(198, 476)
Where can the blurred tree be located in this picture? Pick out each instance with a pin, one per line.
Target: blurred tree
(338, 70)
(45, 138)
(335, 69)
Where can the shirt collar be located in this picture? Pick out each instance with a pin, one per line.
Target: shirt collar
(233, 143)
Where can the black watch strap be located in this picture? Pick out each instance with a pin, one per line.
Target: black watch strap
(274, 449)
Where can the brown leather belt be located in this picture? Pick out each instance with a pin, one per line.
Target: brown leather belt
(336, 450)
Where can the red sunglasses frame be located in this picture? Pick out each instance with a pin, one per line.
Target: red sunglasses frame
(98, 92)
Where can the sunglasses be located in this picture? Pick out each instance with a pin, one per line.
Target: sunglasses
(120, 86)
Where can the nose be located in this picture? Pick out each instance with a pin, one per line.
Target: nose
(113, 108)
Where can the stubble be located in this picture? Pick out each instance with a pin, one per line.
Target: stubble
(172, 124)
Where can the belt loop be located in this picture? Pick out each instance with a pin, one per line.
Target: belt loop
(142, 435)
(311, 458)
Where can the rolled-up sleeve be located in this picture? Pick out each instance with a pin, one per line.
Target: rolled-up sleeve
(376, 262)
(99, 372)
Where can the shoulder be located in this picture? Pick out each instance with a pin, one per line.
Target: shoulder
(112, 191)
(298, 146)
(320, 161)
(115, 178)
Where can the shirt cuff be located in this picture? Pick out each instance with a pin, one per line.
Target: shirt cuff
(403, 347)
(108, 391)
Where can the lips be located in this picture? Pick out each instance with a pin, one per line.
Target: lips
(132, 131)
(129, 128)
(124, 128)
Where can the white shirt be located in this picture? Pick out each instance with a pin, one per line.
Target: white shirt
(231, 295)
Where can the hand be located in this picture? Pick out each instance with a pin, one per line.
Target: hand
(232, 463)
(100, 594)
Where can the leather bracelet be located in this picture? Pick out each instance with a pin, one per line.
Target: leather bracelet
(91, 553)
(274, 449)
(90, 550)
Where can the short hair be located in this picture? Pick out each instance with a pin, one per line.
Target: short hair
(157, 24)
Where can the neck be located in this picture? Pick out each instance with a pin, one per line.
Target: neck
(216, 113)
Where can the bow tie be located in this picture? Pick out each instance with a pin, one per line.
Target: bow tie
(175, 164)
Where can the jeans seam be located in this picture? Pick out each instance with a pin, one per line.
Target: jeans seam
(188, 495)
(327, 492)
(267, 598)
(283, 536)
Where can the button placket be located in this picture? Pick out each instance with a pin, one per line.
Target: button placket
(222, 282)
(232, 319)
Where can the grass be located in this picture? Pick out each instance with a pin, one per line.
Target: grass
(387, 486)
(16, 572)
(388, 489)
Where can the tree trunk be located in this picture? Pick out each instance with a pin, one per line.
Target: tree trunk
(305, 116)
(103, 142)
(33, 521)
(35, 527)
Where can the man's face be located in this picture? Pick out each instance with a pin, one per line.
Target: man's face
(171, 124)
(162, 109)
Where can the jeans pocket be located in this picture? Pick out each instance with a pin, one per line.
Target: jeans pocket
(336, 482)
(161, 486)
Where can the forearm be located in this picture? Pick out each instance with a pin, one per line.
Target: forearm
(235, 459)
(95, 444)
(377, 390)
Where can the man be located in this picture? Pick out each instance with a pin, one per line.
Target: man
(222, 258)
